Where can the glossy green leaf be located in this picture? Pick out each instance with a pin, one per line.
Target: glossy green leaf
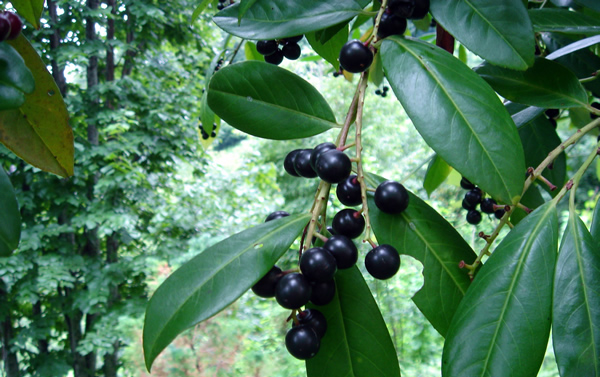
(498, 31)
(546, 84)
(329, 50)
(31, 10)
(273, 19)
(581, 61)
(563, 21)
(592, 4)
(264, 100)
(458, 115)
(199, 9)
(357, 342)
(324, 35)
(437, 172)
(525, 114)
(243, 8)
(10, 225)
(539, 138)
(423, 234)
(376, 71)
(251, 52)
(572, 46)
(501, 327)
(215, 278)
(576, 309)
(15, 78)
(595, 227)
(39, 130)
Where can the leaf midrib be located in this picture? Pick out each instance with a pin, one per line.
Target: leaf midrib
(221, 268)
(458, 110)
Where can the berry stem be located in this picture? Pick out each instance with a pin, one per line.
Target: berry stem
(577, 178)
(317, 208)
(349, 119)
(378, 20)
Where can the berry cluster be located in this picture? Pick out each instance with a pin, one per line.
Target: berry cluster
(393, 20)
(205, 135)
(473, 198)
(218, 66)
(275, 50)
(10, 26)
(382, 92)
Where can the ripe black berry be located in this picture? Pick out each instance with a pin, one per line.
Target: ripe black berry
(318, 150)
(322, 293)
(317, 264)
(473, 197)
(315, 320)
(391, 197)
(276, 215)
(291, 51)
(499, 213)
(275, 58)
(302, 164)
(333, 166)
(295, 39)
(468, 206)
(390, 24)
(421, 9)
(402, 8)
(382, 262)
(487, 205)
(288, 163)
(349, 223)
(302, 342)
(552, 113)
(265, 287)
(292, 291)
(266, 48)
(466, 184)
(348, 191)
(4, 27)
(355, 57)
(343, 250)
(473, 217)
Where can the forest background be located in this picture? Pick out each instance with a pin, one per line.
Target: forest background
(148, 195)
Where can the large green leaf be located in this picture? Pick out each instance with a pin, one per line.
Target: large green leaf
(39, 130)
(15, 78)
(576, 309)
(264, 100)
(423, 234)
(563, 21)
(546, 84)
(437, 172)
(357, 342)
(498, 31)
(592, 4)
(10, 225)
(595, 227)
(458, 115)
(501, 327)
(30, 9)
(539, 138)
(329, 50)
(272, 19)
(214, 279)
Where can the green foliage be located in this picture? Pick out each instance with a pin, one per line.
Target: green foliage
(10, 227)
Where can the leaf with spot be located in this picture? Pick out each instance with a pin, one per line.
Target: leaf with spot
(502, 326)
(357, 342)
(215, 278)
(576, 309)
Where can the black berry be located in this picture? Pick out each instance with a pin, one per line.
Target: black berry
(348, 191)
(473, 197)
(317, 264)
(322, 293)
(391, 197)
(302, 342)
(343, 250)
(466, 184)
(315, 320)
(295, 39)
(468, 206)
(349, 223)
(4, 27)
(552, 113)
(473, 217)
(390, 24)
(291, 51)
(355, 57)
(499, 213)
(333, 166)
(275, 58)
(382, 262)
(288, 163)
(265, 287)
(487, 205)
(292, 291)
(276, 215)
(302, 164)
(267, 48)
(420, 10)
(318, 150)
(402, 8)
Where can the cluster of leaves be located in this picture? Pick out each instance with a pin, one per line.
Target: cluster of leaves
(498, 323)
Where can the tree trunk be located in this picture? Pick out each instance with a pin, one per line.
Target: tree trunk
(9, 358)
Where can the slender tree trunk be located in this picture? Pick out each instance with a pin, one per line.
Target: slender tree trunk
(57, 71)
(111, 360)
(9, 358)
